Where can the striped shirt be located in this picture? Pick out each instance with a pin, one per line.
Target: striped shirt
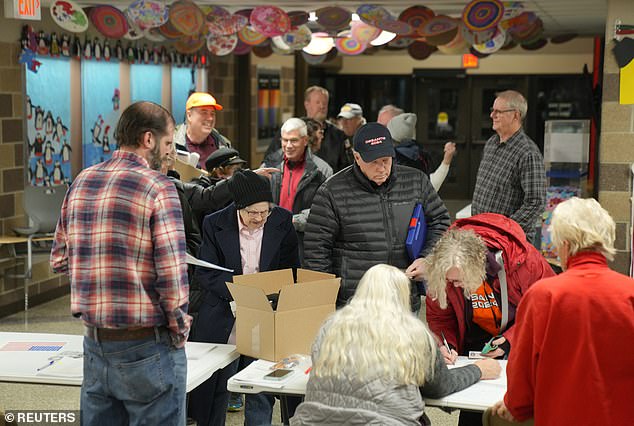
(511, 181)
(120, 237)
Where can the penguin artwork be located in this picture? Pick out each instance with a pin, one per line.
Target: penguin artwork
(42, 43)
(48, 123)
(57, 176)
(66, 150)
(66, 45)
(172, 57)
(39, 118)
(29, 108)
(29, 175)
(97, 50)
(24, 39)
(40, 172)
(38, 146)
(130, 54)
(77, 48)
(60, 129)
(48, 153)
(164, 57)
(47, 180)
(55, 49)
(87, 49)
(106, 140)
(146, 54)
(107, 52)
(116, 98)
(118, 51)
(96, 131)
(156, 56)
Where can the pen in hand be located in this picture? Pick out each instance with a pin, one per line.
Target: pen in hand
(446, 345)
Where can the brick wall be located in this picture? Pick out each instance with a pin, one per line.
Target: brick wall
(617, 143)
(45, 285)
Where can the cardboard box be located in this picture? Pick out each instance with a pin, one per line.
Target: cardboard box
(302, 307)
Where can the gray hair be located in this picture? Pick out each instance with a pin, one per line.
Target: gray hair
(515, 101)
(293, 124)
(585, 226)
(391, 108)
(312, 89)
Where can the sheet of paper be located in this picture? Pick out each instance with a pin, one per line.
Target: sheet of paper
(254, 375)
(193, 261)
(196, 350)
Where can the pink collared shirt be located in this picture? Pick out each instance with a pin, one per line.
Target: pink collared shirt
(250, 247)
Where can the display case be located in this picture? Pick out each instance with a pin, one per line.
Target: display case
(566, 156)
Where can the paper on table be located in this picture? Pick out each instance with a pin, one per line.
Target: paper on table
(254, 375)
(65, 367)
(196, 350)
(193, 261)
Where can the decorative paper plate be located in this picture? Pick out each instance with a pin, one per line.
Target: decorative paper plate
(521, 20)
(270, 21)
(189, 44)
(109, 21)
(314, 59)
(133, 33)
(153, 34)
(477, 54)
(456, 46)
(221, 22)
(70, 16)
(482, 15)
(221, 45)
(416, 16)
(440, 29)
(562, 38)
(251, 37)
(263, 50)
(147, 14)
(420, 50)
(279, 46)
(371, 14)
(512, 9)
(333, 17)
(299, 38)
(493, 45)
(244, 12)
(298, 17)
(168, 30)
(362, 32)
(242, 48)
(347, 45)
(400, 42)
(476, 37)
(535, 45)
(395, 26)
(186, 17)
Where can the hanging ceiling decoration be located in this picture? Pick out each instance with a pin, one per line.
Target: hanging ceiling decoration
(483, 27)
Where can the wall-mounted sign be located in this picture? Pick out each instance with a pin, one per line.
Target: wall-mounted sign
(469, 61)
(23, 9)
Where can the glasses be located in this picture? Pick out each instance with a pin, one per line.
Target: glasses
(500, 111)
(254, 213)
(293, 141)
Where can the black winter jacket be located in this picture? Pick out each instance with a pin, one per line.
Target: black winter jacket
(355, 224)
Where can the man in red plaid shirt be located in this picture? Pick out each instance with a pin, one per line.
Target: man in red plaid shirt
(120, 237)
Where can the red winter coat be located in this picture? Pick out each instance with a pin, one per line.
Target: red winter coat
(523, 264)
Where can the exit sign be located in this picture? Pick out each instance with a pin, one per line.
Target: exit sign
(23, 9)
(469, 61)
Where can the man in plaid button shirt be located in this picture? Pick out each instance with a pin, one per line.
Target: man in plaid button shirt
(511, 179)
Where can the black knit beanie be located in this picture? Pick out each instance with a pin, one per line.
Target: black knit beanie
(248, 188)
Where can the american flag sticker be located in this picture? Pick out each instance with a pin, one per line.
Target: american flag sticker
(32, 346)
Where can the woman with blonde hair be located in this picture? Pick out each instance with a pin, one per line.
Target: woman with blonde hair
(373, 358)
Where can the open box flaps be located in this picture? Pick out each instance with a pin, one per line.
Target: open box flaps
(301, 309)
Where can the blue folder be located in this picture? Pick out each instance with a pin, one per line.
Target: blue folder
(417, 232)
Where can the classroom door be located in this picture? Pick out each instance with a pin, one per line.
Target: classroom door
(456, 108)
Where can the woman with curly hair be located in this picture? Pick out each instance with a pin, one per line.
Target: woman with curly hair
(476, 276)
(373, 359)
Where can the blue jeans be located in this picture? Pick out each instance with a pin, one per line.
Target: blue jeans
(134, 382)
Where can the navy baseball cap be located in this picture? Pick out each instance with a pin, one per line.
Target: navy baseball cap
(372, 141)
